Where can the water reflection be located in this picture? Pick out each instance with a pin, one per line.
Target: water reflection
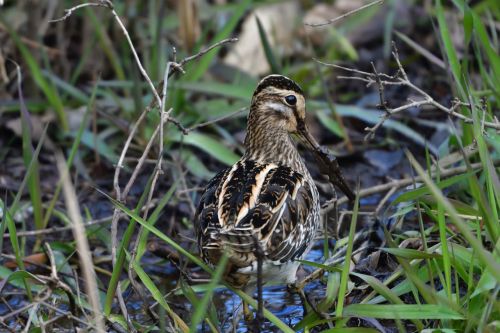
(286, 305)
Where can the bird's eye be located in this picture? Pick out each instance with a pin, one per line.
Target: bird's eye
(291, 99)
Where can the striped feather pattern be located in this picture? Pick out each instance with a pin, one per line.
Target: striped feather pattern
(251, 202)
(267, 202)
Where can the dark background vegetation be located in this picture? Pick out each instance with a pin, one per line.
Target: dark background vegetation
(71, 93)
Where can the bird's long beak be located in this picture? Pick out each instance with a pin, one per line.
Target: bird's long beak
(327, 162)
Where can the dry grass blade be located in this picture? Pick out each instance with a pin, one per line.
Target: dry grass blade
(331, 21)
(82, 244)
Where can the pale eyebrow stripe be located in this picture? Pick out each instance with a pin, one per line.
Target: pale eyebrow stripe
(277, 107)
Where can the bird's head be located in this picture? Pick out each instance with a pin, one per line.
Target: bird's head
(278, 104)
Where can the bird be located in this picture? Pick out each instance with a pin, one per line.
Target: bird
(265, 207)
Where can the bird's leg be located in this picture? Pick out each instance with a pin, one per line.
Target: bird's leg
(249, 289)
(247, 313)
(259, 318)
(298, 289)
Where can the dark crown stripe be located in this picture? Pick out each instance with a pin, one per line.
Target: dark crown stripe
(278, 81)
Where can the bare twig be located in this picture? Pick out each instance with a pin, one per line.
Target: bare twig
(138, 288)
(68, 314)
(174, 66)
(399, 183)
(211, 122)
(179, 66)
(54, 230)
(54, 279)
(338, 18)
(69, 12)
(384, 200)
(141, 162)
(401, 79)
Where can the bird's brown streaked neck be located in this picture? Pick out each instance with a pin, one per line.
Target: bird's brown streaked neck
(266, 143)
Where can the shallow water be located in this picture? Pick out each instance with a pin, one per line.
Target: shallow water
(286, 305)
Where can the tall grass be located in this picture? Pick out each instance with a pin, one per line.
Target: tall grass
(450, 283)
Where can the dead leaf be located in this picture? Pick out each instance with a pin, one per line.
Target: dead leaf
(279, 22)
(34, 259)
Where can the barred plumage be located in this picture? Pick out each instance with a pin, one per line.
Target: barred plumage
(267, 201)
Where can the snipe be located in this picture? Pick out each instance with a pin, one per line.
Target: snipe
(267, 203)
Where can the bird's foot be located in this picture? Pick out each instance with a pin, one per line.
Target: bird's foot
(247, 313)
(298, 288)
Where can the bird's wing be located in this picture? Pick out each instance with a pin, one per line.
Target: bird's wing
(250, 205)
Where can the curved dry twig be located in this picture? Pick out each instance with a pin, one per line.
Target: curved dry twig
(397, 184)
(338, 18)
(382, 80)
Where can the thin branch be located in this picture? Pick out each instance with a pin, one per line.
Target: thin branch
(382, 202)
(331, 21)
(69, 12)
(141, 162)
(211, 122)
(401, 79)
(179, 65)
(399, 183)
(54, 277)
(68, 314)
(54, 230)
(157, 172)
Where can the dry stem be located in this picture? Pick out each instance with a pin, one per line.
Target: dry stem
(399, 183)
(82, 244)
(382, 80)
(331, 21)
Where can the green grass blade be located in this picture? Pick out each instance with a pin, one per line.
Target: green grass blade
(122, 247)
(34, 176)
(72, 154)
(402, 311)
(484, 256)
(106, 44)
(444, 249)
(326, 268)
(29, 170)
(11, 226)
(424, 190)
(194, 74)
(209, 145)
(70, 90)
(155, 292)
(449, 48)
(271, 317)
(410, 253)
(271, 58)
(237, 91)
(190, 293)
(329, 122)
(153, 218)
(347, 264)
(47, 88)
(201, 308)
